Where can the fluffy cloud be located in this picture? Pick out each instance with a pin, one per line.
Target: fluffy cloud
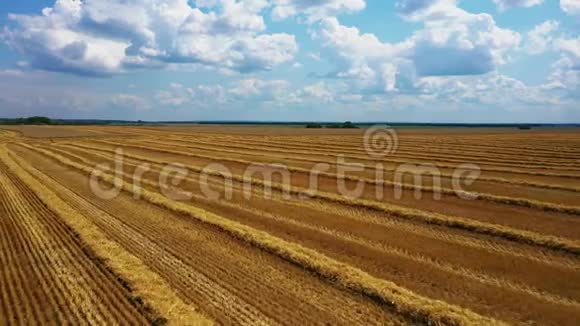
(28, 94)
(492, 88)
(131, 101)
(563, 81)
(571, 51)
(565, 77)
(319, 91)
(248, 89)
(258, 89)
(361, 57)
(540, 38)
(449, 62)
(416, 10)
(106, 37)
(452, 42)
(176, 95)
(50, 43)
(11, 73)
(505, 4)
(314, 10)
(452, 59)
(571, 7)
(463, 45)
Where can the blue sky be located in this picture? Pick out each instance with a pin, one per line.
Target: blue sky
(298, 60)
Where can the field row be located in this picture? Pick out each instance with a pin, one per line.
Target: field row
(223, 246)
(265, 293)
(501, 210)
(546, 179)
(415, 152)
(348, 235)
(49, 275)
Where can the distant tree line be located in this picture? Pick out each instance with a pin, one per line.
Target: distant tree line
(344, 125)
(36, 120)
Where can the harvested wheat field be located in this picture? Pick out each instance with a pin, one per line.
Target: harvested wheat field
(252, 225)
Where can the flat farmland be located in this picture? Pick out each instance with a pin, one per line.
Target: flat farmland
(252, 225)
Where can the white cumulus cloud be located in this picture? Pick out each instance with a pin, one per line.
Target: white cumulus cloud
(464, 44)
(319, 91)
(259, 89)
(452, 42)
(98, 37)
(540, 38)
(570, 7)
(131, 101)
(566, 73)
(314, 10)
(506, 4)
(361, 56)
(416, 10)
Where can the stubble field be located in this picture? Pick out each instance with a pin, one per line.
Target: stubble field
(509, 254)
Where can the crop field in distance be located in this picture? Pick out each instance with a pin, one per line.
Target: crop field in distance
(258, 225)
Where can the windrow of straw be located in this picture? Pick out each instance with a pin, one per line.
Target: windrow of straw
(521, 236)
(522, 202)
(457, 270)
(517, 182)
(217, 181)
(414, 153)
(403, 161)
(144, 282)
(404, 145)
(396, 298)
